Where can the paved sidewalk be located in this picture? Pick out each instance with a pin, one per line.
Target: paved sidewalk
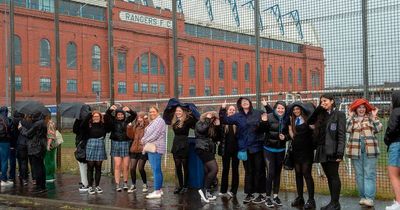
(64, 194)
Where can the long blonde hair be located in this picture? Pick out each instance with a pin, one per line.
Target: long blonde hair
(178, 123)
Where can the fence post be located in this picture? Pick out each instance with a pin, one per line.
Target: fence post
(365, 46)
(175, 48)
(257, 49)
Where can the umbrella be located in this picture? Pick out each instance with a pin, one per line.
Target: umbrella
(171, 106)
(71, 110)
(31, 107)
(308, 108)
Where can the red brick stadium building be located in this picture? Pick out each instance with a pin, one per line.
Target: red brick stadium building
(212, 61)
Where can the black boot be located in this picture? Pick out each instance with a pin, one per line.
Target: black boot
(310, 204)
(299, 201)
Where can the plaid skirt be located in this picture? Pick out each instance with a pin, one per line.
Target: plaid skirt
(96, 150)
(120, 148)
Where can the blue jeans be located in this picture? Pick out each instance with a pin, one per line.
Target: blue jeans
(365, 169)
(4, 154)
(155, 163)
(13, 163)
(394, 154)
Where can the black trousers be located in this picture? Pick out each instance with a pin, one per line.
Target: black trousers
(22, 158)
(331, 170)
(226, 162)
(254, 178)
(274, 163)
(39, 170)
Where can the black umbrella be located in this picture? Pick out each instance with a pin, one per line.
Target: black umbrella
(31, 107)
(71, 110)
(308, 108)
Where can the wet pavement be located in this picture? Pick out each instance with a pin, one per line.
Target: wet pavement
(64, 192)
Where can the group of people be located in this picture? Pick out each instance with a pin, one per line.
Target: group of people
(129, 133)
(30, 140)
(317, 134)
(259, 138)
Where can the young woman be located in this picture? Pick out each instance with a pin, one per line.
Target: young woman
(274, 151)
(329, 139)
(36, 145)
(155, 134)
(228, 150)
(135, 132)
(207, 132)
(182, 122)
(50, 157)
(303, 154)
(80, 143)
(392, 140)
(120, 143)
(362, 147)
(22, 149)
(95, 129)
(250, 144)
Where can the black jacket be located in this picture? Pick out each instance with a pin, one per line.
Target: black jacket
(118, 127)
(330, 138)
(272, 135)
(393, 129)
(203, 140)
(37, 138)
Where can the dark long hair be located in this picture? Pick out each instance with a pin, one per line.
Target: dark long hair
(322, 118)
(293, 117)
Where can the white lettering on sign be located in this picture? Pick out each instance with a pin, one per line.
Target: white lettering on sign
(143, 19)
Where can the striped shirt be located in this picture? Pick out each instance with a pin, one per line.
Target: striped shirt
(155, 133)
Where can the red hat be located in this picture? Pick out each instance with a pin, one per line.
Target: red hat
(361, 101)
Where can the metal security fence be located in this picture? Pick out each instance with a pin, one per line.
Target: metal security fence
(143, 52)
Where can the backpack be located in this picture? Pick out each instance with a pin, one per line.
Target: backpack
(4, 128)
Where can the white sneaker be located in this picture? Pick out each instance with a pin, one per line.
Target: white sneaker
(153, 195)
(6, 183)
(91, 191)
(221, 194)
(369, 202)
(362, 201)
(230, 194)
(210, 196)
(146, 189)
(132, 189)
(83, 189)
(203, 197)
(394, 206)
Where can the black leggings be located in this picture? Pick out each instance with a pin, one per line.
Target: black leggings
(254, 176)
(210, 173)
(134, 164)
(92, 165)
(304, 170)
(331, 170)
(274, 163)
(179, 164)
(226, 160)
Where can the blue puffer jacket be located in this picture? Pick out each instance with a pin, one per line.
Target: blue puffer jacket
(249, 134)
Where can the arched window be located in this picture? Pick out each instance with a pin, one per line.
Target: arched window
(17, 50)
(290, 76)
(280, 75)
(44, 53)
(270, 73)
(247, 72)
(221, 69)
(299, 77)
(71, 55)
(148, 61)
(96, 55)
(234, 70)
(207, 66)
(192, 67)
